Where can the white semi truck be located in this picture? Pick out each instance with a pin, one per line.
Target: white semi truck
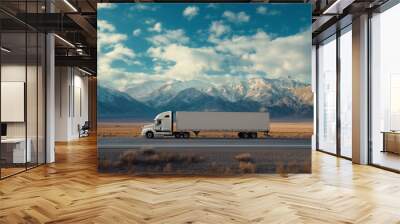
(247, 124)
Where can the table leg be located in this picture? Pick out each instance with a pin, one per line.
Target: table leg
(384, 142)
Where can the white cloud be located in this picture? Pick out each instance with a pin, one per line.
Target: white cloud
(136, 32)
(261, 10)
(118, 52)
(143, 7)
(240, 17)
(111, 48)
(217, 29)
(188, 63)
(228, 56)
(105, 5)
(277, 58)
(149, 21)
(212, 6)
(169, 37)
(103, 25)
(156, 28)
(109, 39)
(190, 12)
(106, 37)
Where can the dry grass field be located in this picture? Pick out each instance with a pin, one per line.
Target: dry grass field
(282, 129)
(279, 129)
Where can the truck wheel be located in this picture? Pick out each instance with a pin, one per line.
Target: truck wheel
(176, 135)
(253, 135)
(186, 135)
(245, 135)
(149, 134)
(240, 134)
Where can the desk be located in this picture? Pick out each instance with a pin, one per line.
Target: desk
(15, 148)
(391, 141)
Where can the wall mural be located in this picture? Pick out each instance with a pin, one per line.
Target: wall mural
(208, 89)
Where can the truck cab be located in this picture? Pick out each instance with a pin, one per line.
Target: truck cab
(162, 126)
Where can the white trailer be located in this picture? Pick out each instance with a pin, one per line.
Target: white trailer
(247, 124)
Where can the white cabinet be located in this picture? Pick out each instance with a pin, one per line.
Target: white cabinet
(19, 154)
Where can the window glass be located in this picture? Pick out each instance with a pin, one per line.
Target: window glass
(346, 93)
(22, 89)
(15, 150)
(327, 95)
(385, 89)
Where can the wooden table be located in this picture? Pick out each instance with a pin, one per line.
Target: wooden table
(391, 141)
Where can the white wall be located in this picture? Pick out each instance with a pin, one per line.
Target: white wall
(71, 102)
(80, 110)
(62, 82)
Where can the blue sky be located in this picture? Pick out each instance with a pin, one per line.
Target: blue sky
(144, 42)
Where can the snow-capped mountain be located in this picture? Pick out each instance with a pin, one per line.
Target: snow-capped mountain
(192, 99)
(115, 104)
(281, 97)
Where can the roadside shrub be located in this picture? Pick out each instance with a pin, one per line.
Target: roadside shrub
(167, 168)
(105, 164)
(148, 152)
(282, 170)
(117, 164)
(247, 167)
(244, 157)
(128, 157)
(153, 160)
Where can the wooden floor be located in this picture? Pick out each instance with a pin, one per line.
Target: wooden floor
(71, 191)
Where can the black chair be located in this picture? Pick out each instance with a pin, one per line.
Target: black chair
(84, 130)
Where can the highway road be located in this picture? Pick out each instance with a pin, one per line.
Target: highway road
(167, 143)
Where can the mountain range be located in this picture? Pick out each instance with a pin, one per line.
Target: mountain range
(282, 98)
(115, 104)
